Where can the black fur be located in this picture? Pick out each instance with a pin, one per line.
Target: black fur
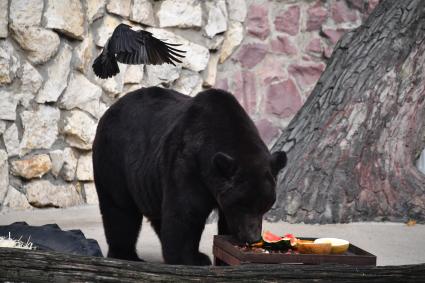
(173, 158)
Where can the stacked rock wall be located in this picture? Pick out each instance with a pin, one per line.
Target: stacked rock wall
(268, 53)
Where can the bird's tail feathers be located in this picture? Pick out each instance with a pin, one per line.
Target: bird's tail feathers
(105, 66)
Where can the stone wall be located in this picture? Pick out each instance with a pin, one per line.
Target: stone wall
(268, 53)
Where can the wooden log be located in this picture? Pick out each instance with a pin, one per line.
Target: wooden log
(39, 266)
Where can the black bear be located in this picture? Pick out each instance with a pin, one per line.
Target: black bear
(173, 159)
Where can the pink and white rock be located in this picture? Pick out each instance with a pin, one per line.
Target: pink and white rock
(257, 22)
(315, 46)
(4, 174)
(9, 62)
(91, 193)
(341, 13)
(306, 75)
(283, 44)
(244, 89)
(69, 168)
(79, 129)
(251, 54)
(85, 167)
(271, 71)
(267, 130)
(317, 16)
(283, 99)
(288, 20)
(8, 103)
(334, 34)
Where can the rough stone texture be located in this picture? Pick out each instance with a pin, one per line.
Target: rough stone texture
(15, 200)
(142, 12)
(180, 13)
(9, 62)
(66, 17)
(57, 158)
(41, 44)
(232, 39)
(42, 193)
(317, 15)
(8, 102)
(288, 20)
(85, 168)
(58, 73)
(283, 44)
(95, 9)
(306, 75)
(79, 129)
(4, 18)
(257, 22)
(210, 74)
(133, 74)
(252, 54)
(104, 29)
(187, 82)
(26, 12)
(31, 82)
(237, 10)
(69, 168)
(4, 175)
(32, 167)
(268, 132)
(161, 74)
(277, 42)
(84, 55)
(91, 193)
(74, 98)
(283, 99)
(342, 13)
(217, 18)
(40, 128)
(121, 8)
(11, 140)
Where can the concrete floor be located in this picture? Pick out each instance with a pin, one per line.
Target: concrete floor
(392, 243)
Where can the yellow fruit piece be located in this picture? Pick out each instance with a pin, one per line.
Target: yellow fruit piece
(309, 247)
(339, 246)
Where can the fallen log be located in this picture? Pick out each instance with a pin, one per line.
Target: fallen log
(40, 266)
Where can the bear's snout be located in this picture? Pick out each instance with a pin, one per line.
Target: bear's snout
(249, 229)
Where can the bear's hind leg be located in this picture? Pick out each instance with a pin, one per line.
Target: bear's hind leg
(122, 226)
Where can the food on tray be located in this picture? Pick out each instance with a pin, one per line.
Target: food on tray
(270, 241)
(310, 247)
(339, 246)
(289, 243)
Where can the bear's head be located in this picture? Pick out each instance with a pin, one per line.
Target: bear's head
(247, 191)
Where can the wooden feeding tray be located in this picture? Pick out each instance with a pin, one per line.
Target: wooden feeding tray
(227, 251)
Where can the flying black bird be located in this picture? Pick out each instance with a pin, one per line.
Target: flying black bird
(133, 47)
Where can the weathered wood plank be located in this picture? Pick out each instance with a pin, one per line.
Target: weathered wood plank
(37, 266)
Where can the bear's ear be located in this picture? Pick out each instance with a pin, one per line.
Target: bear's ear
(225, 164)
(279, 160)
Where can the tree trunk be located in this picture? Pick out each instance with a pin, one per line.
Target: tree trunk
(352, 146)
(35, 266)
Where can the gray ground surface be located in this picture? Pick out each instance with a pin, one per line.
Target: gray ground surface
(392, 243)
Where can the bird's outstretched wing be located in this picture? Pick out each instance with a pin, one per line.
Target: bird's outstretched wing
(134, 47)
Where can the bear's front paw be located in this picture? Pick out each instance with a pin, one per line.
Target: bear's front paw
(202, 259)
